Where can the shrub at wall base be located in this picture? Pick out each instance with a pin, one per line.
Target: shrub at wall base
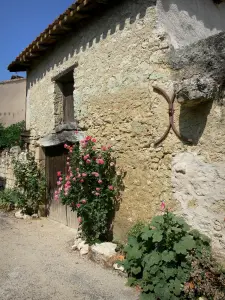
(160, 260)
(30, 182)
(92, 187)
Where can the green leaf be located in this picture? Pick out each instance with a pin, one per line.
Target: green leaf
(175, 286)
(147, 296)
(157, 220)
(182, 274)
(134, 253)
(168, 256)
(157, 236)
(153, 270)
(162, 291)
(176, 229)
(152, 259)
(186, 243)
(169, 272)
(146, 287)
(131, 281)
(147, 233)
(136, 270)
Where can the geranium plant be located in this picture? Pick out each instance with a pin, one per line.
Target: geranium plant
(159, 258)
(92, 187)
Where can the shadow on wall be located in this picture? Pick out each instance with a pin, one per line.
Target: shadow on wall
(92, 32)
(2, 183)
(192, 120)
(207, 12)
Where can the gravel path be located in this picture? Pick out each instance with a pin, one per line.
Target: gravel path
(37, 263)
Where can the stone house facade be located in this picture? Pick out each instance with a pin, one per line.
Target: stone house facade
(12, 100)
(117, 51)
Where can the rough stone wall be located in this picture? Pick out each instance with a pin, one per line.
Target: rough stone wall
(120, 57)
(199, 186)
(7, 178)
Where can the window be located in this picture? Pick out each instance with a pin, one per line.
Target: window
(66, 85)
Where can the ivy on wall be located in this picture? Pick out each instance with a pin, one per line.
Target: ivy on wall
(11, 135)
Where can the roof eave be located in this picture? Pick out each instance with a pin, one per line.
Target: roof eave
(82, 9)
(17, 67)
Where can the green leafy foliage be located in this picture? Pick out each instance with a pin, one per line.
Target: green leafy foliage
(31, 183)
(10, 136)
(158, 259)
(9, 198)
(92, 187)
(136, 229)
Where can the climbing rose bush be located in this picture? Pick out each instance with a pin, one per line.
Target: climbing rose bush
(92, 187)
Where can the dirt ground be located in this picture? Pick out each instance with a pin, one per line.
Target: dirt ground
(37, 263)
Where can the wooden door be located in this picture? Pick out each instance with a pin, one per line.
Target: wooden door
(56, 161)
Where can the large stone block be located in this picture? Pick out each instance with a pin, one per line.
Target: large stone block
(199, 187)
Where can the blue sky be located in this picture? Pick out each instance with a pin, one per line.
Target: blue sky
(21, 21)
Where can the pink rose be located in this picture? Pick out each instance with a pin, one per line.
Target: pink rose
(98, 189)
(56, 197)
(79, 219)
(88, 161)
(77, 169)
(93, 140)
(99, 181)
(74, 179)
(78, 205)
(95, 174)
(88, 138)
(100, 161)
(104, 148)
(82, 180)
(68, 163)
(78, 175)
(60, 179)
(65, 146)
(110, 187)
(97, 194)
(58, 182)
(86, 156)
(83, 201)
(163, 205)
(84, 175)
(59, 173)
(67, 158)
